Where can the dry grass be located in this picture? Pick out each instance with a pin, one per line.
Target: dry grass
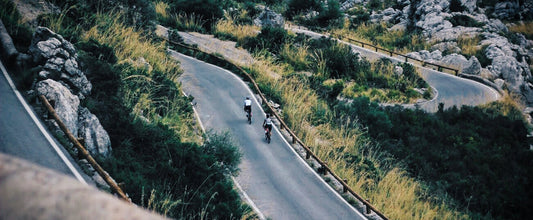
(391, 191)
(469, 45)
(525, 28)
(378, 35)
(227, 26)
(131, 45)
(161, 9)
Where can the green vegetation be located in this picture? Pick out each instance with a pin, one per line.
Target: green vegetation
(156, 145)
(465, 21)
(479, 154)
(328, 59)
(429, 168)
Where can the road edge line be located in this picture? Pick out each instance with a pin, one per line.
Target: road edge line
(284, 139)
(41, 127)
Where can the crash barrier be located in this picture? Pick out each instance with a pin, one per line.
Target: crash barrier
(84, 153)
(30, 191)
(323, 169)
(391, 53)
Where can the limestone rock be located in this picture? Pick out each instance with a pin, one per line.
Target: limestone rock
(506, 10)
(97, 141)
(473, 67)
(269, 18)
(509, 70)
(58, 58)
(66, 104)
(455, 60)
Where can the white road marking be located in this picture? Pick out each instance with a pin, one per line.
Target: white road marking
(283, 138)
(40, 126)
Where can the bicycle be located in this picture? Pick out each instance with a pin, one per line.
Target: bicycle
(267, 134)
(249, 116)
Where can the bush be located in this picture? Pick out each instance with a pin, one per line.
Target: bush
(209, 10)
(465, 21)
(329, 14)
(295, 7)
(270, 38)
(473, 154)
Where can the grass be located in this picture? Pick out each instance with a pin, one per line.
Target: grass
(378, 35)
(469, 45)
(525, 28)
(225, 29)
(345, 146)
(131, 45)
(372, 175)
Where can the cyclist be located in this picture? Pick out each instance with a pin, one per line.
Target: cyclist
(267, 124)
(248, 105)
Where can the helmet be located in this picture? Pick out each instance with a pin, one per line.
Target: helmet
(247, 97)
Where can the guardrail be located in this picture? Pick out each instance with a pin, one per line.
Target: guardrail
(83, 151)
(323, 166)
(391, 53)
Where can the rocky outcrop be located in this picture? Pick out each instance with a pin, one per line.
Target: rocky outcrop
(64, 102)
(269, 18)
(62, 81)
(59, 61)
(499, 59)
(96, 139)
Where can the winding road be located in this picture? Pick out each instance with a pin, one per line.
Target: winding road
(274, 177)
(450, 90)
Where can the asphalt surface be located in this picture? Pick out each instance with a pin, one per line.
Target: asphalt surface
(450, 90)
(273, 176)
(21, 137)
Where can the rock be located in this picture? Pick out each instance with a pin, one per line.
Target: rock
(59, 60)
(496, 26)
(509, 70)
(506, 10)
(269, 18)
(470, 5)
(473, 67)
(66, 104)
(398, 70)
(447, 46)
(436, 55)
(499, 82)
(455, 60)
(349, 4)
(453, 33)
(414, 55)
(97, 141)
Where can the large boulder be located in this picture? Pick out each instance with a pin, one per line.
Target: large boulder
(59, 61)
(473, 67)
(66, 104)
(455, 60)
(510, 70)
(97, 141)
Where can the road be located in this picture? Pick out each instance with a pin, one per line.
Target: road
(450, 90)
(22, 134)
(278, 181)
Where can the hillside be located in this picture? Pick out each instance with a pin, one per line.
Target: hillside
(462, 162)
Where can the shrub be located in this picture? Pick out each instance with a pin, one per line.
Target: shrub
(295, 7)
(329, 14)
(465, 21)
(270, 38)
(208, 10)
